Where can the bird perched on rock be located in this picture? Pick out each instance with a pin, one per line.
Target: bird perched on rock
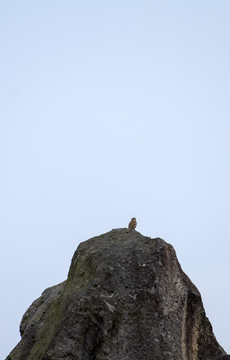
(132, 224)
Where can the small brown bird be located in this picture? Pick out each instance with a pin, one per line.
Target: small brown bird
(132, 224)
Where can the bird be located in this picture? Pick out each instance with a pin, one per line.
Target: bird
(132, 224)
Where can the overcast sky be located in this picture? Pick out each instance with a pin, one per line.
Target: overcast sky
(109, 110)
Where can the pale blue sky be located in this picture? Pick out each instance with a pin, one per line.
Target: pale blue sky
(113, 109)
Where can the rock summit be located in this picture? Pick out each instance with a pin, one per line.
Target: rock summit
(125, 298)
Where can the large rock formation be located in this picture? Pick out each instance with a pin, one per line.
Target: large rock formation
(126, 298)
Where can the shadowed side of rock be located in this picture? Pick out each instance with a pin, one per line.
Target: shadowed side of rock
(126, 298)
(221, 357)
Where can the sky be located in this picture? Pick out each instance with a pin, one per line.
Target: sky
(109, 110)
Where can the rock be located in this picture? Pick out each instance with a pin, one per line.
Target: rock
(221, 357)
(126, 298)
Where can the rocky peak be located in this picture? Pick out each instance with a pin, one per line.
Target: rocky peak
(125, 298)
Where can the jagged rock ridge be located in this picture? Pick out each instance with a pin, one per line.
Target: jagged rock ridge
(126, 298)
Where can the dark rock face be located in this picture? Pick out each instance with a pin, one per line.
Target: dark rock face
(126, 298)
(222, 357)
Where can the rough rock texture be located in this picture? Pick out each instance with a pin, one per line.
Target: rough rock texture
(222, 357)
(126, 298)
